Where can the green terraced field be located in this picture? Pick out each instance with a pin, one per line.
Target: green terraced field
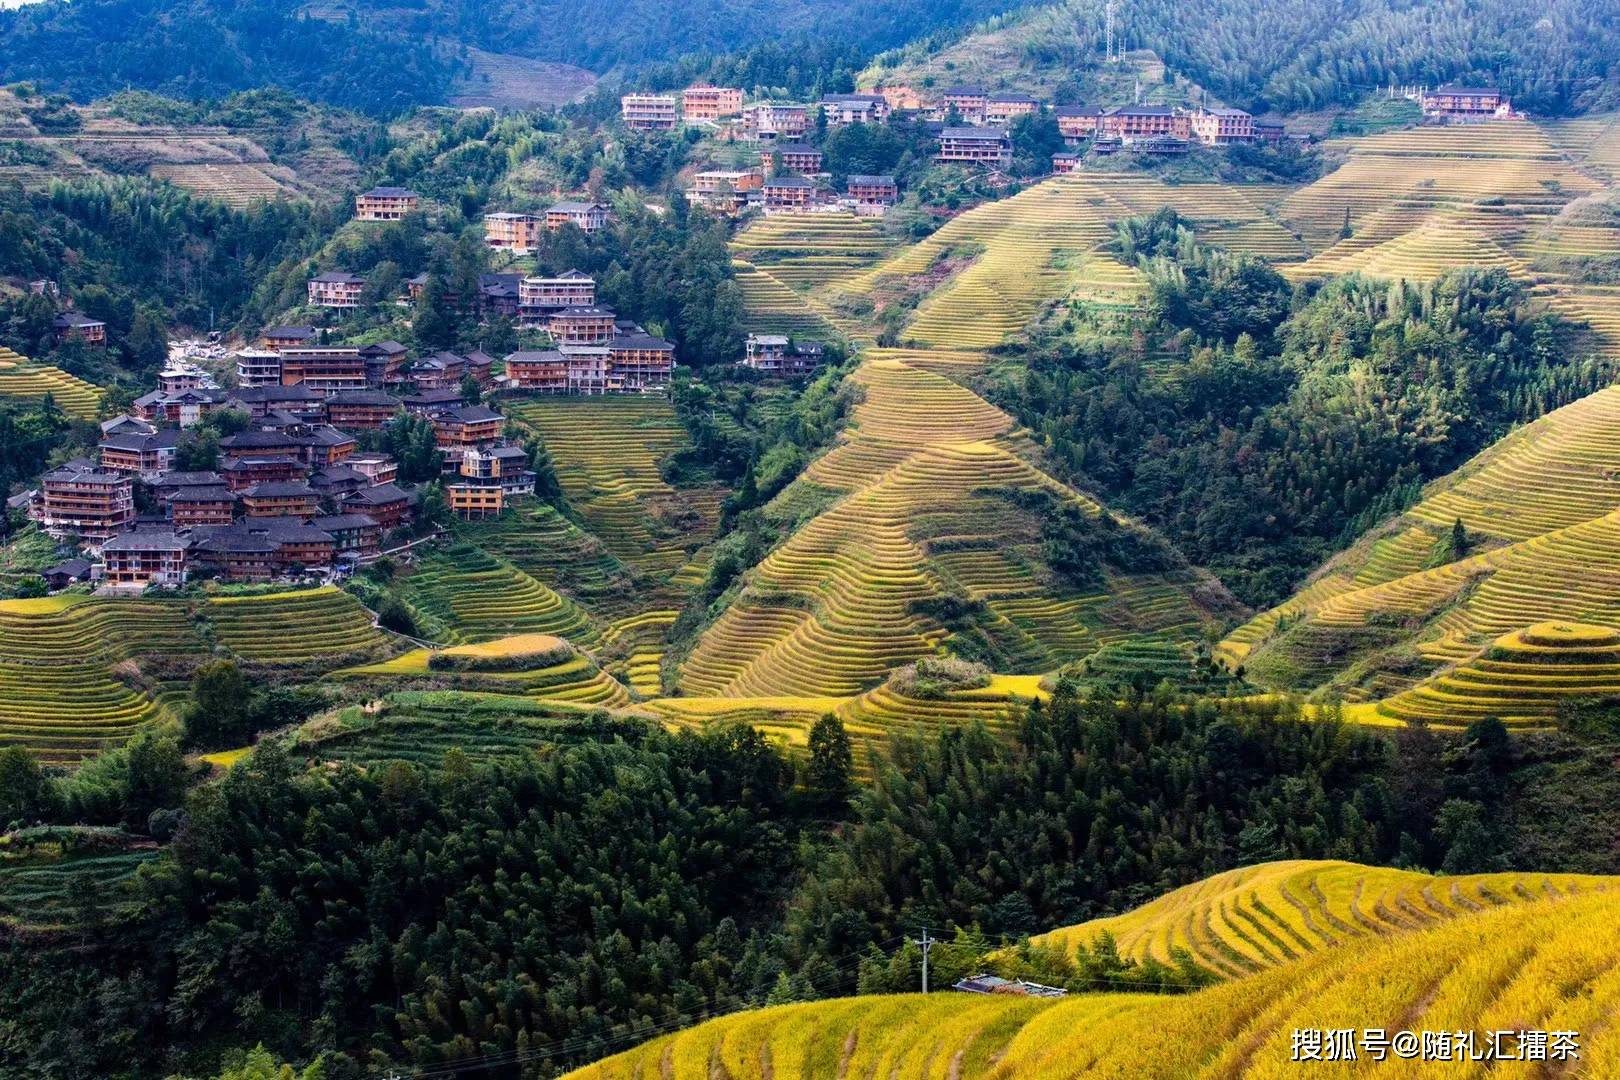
(324, 625)
(461, 594)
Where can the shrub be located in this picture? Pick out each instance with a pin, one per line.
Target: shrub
(936, 676)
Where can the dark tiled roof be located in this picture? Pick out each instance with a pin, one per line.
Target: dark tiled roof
(280, 489)
(344, 522)
(392, 193)
(339, 277)
(144, 540)
(378, 494)
(209, 494)
(156, 440)
(469, 414)
(973, 133)
(301, 333)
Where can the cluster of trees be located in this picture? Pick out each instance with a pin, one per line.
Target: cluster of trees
(558, 905)
(1297, 418)
(208, 48)
(139, 255)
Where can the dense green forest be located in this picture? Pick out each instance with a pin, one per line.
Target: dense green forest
(549, 907)
(383, 59)
(1295, 418)
(1294, 54)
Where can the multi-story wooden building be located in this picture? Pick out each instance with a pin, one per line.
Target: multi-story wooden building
(336, 289)
(428, 402)
(288, 498)
(773, 121)
(472, 502)
(776, 354)
(583, 325)
(287, 337)
(385, 203)
(248, 471)
(841, 109)
(1077, 123)
(1463, 102)
(1004, 108)
(469, 425)
(144, 557)
(325, 369)
(1222, 127)
(441, 370)
(1067, 161)
(387, 504)
(235, 553)
(544, 370)
(986, 146)
(258, 367)
(710, 102)
(361, 410)
(538, 369)
(788, 193)
(725, 189)
(72, 326)
(584, 216)
(649, 112)
(1141, 121)
(517, 233)
(80, 498)
(297, 400)
(539, 296)
(357, 534)
(385, 362)
(377, 468)
(874, 190)
(970, 103)
(193, 506)
(795, 157)
(140, 454)
(640, 361)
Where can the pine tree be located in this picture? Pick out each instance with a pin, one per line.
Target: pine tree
(828, 775)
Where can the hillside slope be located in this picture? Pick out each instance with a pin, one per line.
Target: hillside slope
(1288, 55)
(1260, 917)
(1548, 965)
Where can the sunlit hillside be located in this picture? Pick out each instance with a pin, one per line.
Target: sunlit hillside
(1546, 964)
(1260, 917)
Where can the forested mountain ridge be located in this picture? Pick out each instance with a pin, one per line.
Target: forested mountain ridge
(1292, 55)
(382, 59)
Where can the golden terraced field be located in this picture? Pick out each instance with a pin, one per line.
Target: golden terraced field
(1546, 963)
(1264, 916)
(22, 378)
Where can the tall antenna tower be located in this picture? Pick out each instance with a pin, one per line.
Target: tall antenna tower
(1109, 10)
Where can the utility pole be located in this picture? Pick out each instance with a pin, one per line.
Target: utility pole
(1108, 31)
(927, 944)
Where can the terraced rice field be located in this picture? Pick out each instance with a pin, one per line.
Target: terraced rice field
(238, 185)
(463, 594)
(323, 626)
(608, 453)
(575, 680)
(20, 377)
(1548, 492)
(928, 467)
(1430, 199)
(1526, 677)
(1044, 243)
(70, 681)
(40, 895)
(774, 308)
(422, 726)
(1264, 916)
(1551, 960)
(808, 250)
